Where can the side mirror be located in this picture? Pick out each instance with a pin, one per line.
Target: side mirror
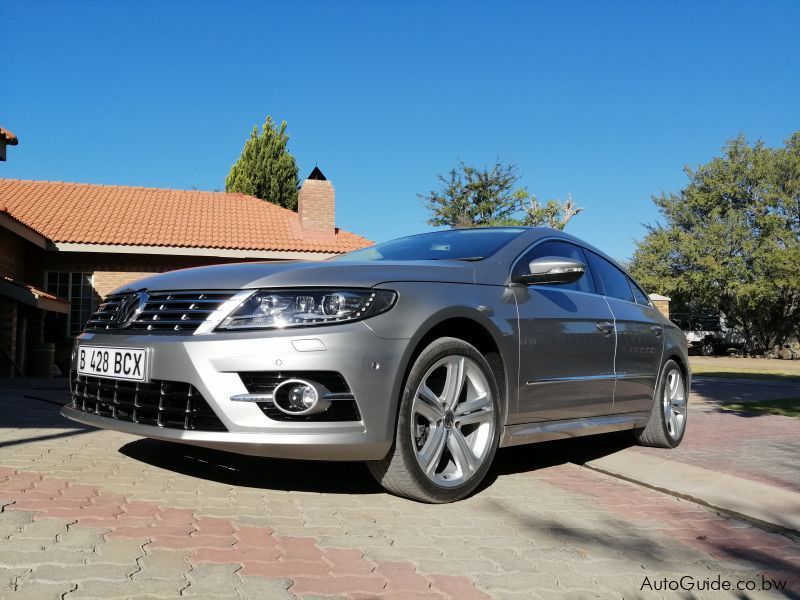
(552, 270)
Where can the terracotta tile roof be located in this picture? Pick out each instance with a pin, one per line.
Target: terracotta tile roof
(8, 137)
(138, 216)
(36, 292)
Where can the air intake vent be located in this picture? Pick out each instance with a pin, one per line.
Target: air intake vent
(169, 404)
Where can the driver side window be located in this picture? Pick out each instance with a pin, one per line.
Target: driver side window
(561, 250)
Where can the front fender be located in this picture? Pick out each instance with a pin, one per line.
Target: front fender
(422, 306)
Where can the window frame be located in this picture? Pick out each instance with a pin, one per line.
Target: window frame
(634, 287)
(71, 274)
(597, 283)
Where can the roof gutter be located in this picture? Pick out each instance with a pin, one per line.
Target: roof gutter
(21, 293)
(186, 251)
(22, 230)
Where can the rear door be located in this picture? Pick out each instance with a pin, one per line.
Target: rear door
(640, 338)
(566, 345)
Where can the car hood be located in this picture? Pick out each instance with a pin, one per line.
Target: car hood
(301, 273)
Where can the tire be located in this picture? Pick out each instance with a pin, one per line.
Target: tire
(667, 424)
(450, 400)
(707, 349)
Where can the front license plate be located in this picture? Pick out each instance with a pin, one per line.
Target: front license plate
(114, 363)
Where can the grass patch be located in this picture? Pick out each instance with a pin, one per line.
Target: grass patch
(785, 407)
(739, 373)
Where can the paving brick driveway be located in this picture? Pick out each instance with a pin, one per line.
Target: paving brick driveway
(97, 514)
(763, 448)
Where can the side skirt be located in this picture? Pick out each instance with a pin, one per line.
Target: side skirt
(526, 433)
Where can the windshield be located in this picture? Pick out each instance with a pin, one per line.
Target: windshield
(458, 244)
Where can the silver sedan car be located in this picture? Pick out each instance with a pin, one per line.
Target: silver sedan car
(420, 356)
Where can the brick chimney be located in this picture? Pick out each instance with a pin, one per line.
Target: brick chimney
(316, 203)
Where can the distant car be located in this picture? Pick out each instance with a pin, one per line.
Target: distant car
(420, 356)
(709, 334)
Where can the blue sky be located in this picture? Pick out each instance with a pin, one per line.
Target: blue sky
(605, 100)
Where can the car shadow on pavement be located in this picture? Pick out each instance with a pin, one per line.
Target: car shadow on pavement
(579, 450)
(254, 471)
(39, 411)
(344, 477)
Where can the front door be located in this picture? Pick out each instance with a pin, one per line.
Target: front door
(640, 338)
(566, 345)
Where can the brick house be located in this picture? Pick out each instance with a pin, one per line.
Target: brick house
(63, 246)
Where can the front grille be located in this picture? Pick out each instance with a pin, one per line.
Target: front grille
(169, 404)
(343, 406)
(164, 312)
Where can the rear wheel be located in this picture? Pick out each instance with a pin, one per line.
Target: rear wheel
(447, 427)
(667, 422)
(707, 349)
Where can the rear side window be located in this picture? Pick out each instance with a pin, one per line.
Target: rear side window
(638, 294)
(561, 250)
(614, 281)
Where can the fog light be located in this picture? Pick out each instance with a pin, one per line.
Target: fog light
(302, 397)
(299, 397)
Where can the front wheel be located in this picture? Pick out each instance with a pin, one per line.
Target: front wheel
(447, 427)
(667, 422)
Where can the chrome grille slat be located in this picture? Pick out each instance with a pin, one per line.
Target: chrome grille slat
(180, 311)
(185, 301)
(146, 323)
(165, 312)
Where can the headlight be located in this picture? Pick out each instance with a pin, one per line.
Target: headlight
(303, 308)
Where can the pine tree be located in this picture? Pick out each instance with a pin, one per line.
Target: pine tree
(265, 168)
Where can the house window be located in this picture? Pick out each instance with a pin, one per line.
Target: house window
(78, 289)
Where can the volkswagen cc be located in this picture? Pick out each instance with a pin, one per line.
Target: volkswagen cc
(420, 356)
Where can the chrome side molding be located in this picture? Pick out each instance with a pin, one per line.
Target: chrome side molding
(525, 433)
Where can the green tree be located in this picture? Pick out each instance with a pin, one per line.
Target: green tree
(265, 168)
(469, 196)
(730, 240)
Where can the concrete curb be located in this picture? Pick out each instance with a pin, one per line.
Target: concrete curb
(759, 503)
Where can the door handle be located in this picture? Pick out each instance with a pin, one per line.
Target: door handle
(605, 327)
(656, 329)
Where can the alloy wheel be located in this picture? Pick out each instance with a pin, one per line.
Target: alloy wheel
(453, 420)
(674, 403)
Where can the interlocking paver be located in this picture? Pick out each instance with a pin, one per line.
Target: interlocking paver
(78, 573)
(9, 577)
(212, 580)
(259, 588)
(118, 552)
(40, 557)
(161, 564)
(107, 590)
(538, 530)
(41, 591)
(12, 521)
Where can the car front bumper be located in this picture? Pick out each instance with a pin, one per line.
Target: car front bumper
(371, 366)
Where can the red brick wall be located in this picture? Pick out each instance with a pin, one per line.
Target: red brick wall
(316, 206)
(12, 254)
(663, 306)
(13, 250)
(8, 335)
